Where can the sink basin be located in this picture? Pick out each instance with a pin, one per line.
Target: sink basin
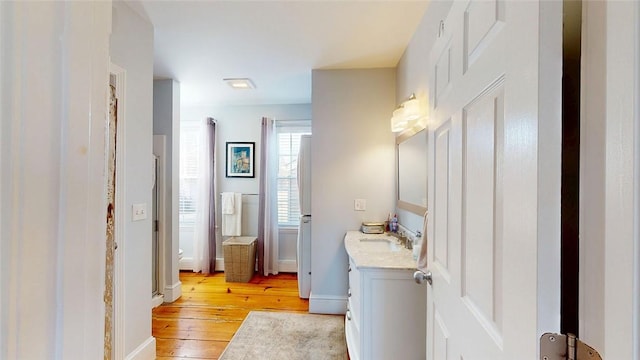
(379, 244)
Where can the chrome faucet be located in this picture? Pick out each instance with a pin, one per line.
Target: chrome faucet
(408, 242)
(403, 239)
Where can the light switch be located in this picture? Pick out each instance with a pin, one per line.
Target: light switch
(360, 205)
(138, 212)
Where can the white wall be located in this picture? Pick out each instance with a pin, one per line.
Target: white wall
(53, 93)
(288, 250)
(166, 121)
(352, 157)
(412, 76)
(242, 123)
(132, 50)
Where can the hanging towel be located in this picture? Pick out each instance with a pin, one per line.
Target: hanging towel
(422, 257)
(232, 223)
(228, 203)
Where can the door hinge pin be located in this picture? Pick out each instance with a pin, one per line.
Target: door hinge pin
(571, 346)
(565, 347)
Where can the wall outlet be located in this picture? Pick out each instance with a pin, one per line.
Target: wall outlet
(138, 212)
(360, 205)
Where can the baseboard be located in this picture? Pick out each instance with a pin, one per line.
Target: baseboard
(157, 300)
(287, 266)
(186, 263)
(146, 351)
(219, 264)
(327, 304)
(172, 292)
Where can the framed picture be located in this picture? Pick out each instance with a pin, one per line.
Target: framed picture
(240, 159)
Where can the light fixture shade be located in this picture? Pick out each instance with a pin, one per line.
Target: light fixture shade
(398, 121)
(411, 110)
(240, 83)
(406, 114)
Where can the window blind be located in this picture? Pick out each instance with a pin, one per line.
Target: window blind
(288, 137)
(189, 150)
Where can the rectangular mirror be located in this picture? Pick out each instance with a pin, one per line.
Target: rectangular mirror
(411, 152)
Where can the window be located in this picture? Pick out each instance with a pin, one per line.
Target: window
(189, 150)
(288, 137)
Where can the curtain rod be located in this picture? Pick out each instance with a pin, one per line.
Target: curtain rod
(244, 194)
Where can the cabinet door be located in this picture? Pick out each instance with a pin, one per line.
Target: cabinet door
(393, 314)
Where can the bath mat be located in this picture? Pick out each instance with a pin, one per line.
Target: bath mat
(288, 336)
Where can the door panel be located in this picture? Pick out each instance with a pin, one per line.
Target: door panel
(484, 300)
(481, 210)
(442, 195)
(482, 21)
(441, 335)
(443, 74)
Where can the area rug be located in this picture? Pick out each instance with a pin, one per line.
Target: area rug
(288, 336)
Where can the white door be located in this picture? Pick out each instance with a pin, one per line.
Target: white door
(609, 179)
(494, 183)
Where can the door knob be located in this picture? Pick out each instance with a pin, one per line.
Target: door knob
(420, 277)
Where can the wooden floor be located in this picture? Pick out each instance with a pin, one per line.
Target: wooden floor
(201, 323)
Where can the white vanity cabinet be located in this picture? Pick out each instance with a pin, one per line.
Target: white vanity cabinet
(386, 313)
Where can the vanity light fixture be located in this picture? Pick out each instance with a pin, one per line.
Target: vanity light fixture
(398, 123)
(405, 114)
(240, 83)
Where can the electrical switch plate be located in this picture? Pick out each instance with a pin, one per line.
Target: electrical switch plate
(138, 212)
(360, 205)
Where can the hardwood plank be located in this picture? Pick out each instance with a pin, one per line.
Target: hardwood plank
(190, 348)
(195, 329)
(282, 290)
(253, 302)
(201, 323)
(220, 279)
(199, 312)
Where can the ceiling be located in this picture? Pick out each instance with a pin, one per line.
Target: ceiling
(275, 43)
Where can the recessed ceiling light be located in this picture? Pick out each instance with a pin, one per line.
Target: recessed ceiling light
(240, 83)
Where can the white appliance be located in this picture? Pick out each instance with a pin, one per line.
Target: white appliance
(304, 229)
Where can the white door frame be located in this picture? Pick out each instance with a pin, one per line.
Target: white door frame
(54, 112)
(609, 183)
(160, 150)
(119, 269)
(636, 197)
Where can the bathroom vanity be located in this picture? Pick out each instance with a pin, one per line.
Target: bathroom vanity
(386, 310)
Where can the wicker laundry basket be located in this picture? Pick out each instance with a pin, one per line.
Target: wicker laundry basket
(239, 258)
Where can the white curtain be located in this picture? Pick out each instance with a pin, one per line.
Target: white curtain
(204, 249)
(268, 210)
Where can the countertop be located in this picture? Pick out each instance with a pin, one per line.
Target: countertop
(367, 256)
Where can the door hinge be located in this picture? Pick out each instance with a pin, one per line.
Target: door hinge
(565, 347)
(156, 225)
